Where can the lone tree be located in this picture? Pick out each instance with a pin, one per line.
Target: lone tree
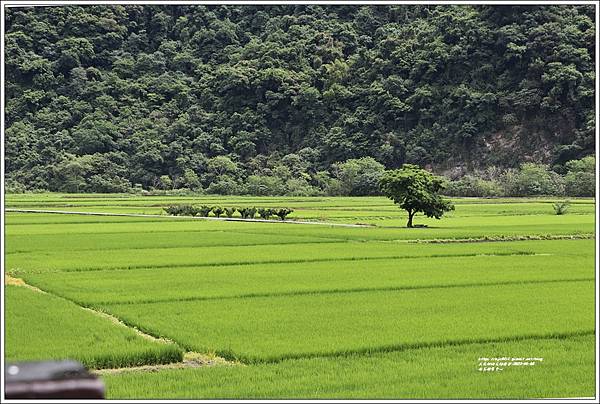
(415, 190)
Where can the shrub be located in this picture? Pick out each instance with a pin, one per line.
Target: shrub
(172, 210)
(580, 179)
(137, 189)
(473, 186)
(218, 211)
(264, 185)
(14, 187)
(224, 185)
(283, 212)
(333, 187)
(190, 179)
(586, 164)
(204, 210)
(222, 165)
(190, 210)
(247, 213)
(230, 211)
(165, 182)
(359, 177)
(300, 187)
(580, 184)
(181, 210)
(533, 179)
(265, 213)
(561, 208)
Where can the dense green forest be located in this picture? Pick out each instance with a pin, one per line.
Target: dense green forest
(295, 99)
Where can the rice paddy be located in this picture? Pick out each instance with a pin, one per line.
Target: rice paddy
(307, 311)
(444, 371)
(42, 326)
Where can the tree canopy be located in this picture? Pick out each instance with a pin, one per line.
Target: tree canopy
(415, 190)
(104, 97)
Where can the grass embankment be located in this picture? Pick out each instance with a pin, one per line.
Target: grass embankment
(41, 327)
(429, 373)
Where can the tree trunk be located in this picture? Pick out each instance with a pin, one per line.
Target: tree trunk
(410, 218)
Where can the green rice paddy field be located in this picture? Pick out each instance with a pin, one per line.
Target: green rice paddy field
(306, 310)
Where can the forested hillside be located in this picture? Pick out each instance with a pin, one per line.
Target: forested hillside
(224, 98)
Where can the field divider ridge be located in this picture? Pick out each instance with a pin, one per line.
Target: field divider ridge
(492, 239)
(9, 280)
(190, 359)
(341, 291)
(406, 346)
(182, 246)
(482, 239)
(224, 219)
(274, 262)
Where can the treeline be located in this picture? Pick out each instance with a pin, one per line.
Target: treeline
(360, 177)
(529, 180)
(277, 99)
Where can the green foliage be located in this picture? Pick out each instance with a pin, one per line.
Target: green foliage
(98, 172)
(189, 180)
(415, 190)
(182, 210)
(300, 187)
(263, 185)
(265, 213)
(533, 179)
(172, 210)
(530, 179)
(561, 208)
(282, 213)
(230, 211)
(44, 327)
(204, 210)
(222, 165)
(218, 211)
(470, 185)
(14, 187)
(243, 212)
(165, 182)
(580, 184)
(359, 177)
(153, 274)
(204, 98)
(580, 179)
(585, 165)
(224, 185)
(247, 212)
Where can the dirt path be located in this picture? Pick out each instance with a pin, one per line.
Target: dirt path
(10, 280)
(190, 360)
(225, 219)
